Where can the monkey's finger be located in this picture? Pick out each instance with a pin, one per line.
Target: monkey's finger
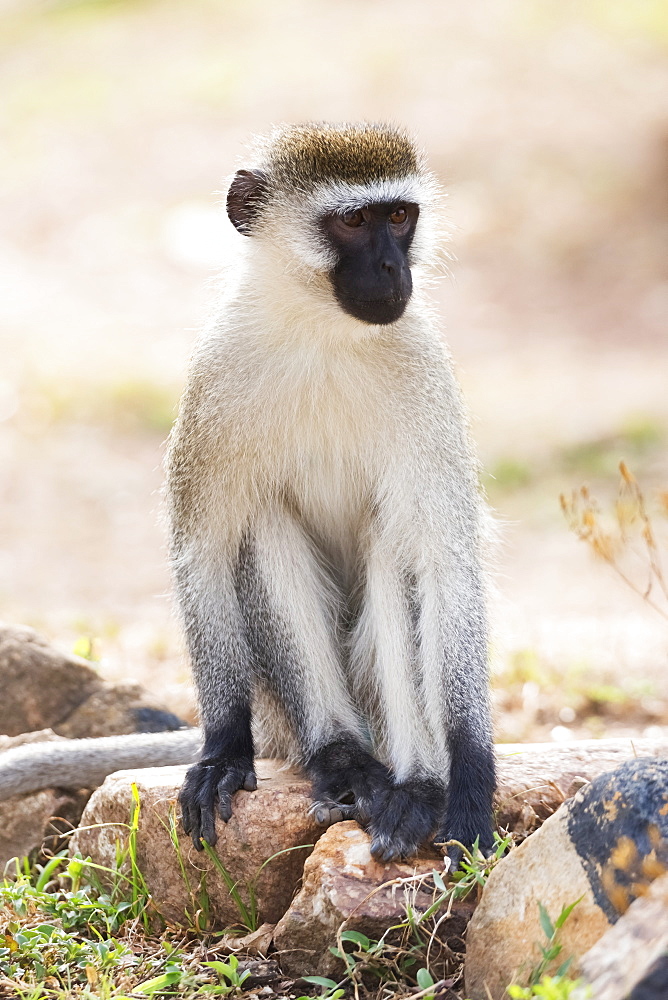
(230, 783)
(320, 813)
(191, 812)
(235, 778)
(225, 806)
(195, 834)
(343, 811)
(379, 848)
(186, 818)
(391, 853)
(455, 854)
(327, 812)
(207, 825)
(393, 849)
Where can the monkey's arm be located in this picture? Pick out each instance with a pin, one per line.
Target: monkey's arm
(207, 521)
(222, 668)
(86, 763)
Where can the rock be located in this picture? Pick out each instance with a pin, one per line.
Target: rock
(606, 845)
(654, 984)
(40, 736)
(343, 887)
(40, 685)
(262, 973)
(264, 823)
(256, 943)
(535, 778)
(31, 823)
(114, 709)
(634, 952)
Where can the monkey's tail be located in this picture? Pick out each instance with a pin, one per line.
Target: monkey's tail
(86, 763)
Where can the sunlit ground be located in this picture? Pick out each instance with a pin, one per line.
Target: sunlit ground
(547, 123)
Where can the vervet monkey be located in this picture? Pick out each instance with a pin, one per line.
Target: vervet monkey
(324, 507)
(325, 514)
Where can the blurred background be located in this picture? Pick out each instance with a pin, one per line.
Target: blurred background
(547, 121)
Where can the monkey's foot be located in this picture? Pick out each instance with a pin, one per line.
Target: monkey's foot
(406, 819)
(347, 778)
(206, 783)
(327, 811)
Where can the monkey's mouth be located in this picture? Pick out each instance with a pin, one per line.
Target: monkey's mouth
(378, 312)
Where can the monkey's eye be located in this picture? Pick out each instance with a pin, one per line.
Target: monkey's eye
(353, 218)
(399, 216)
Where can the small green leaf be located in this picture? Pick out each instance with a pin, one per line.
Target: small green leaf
(74, 868)
(46, 929)
(565, 913)
(424, 978)
(159, 983)
(438, 881)
(546, 923)
(361, 939)
(518, 992)
(222, 968)
(328, 984)
(564, 967)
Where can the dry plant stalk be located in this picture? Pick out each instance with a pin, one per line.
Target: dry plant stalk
(632, 535)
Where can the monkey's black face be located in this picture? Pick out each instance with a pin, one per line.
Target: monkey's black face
(372, 278)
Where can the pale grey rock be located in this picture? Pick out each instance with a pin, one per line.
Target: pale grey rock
(40, 736)
(535, 778)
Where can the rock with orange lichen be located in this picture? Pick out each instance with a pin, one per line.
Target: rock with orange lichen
(604, 847)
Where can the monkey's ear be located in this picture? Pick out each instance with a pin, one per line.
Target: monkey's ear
(245, 199)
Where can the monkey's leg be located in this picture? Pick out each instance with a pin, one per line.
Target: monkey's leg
(290, 606)
(385, 657)
(222, 665)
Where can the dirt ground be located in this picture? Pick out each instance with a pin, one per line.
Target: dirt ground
(548, 124)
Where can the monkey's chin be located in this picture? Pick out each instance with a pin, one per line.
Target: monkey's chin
(375, 312)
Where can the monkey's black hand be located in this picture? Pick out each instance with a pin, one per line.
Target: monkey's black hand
(348, 782)
(206, 782)
(405, 819)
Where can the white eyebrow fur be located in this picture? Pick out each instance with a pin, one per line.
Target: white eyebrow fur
(339, 196)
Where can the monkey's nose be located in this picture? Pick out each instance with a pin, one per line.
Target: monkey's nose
(389, 266)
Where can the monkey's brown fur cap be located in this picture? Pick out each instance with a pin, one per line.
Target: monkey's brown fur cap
(317, 152)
